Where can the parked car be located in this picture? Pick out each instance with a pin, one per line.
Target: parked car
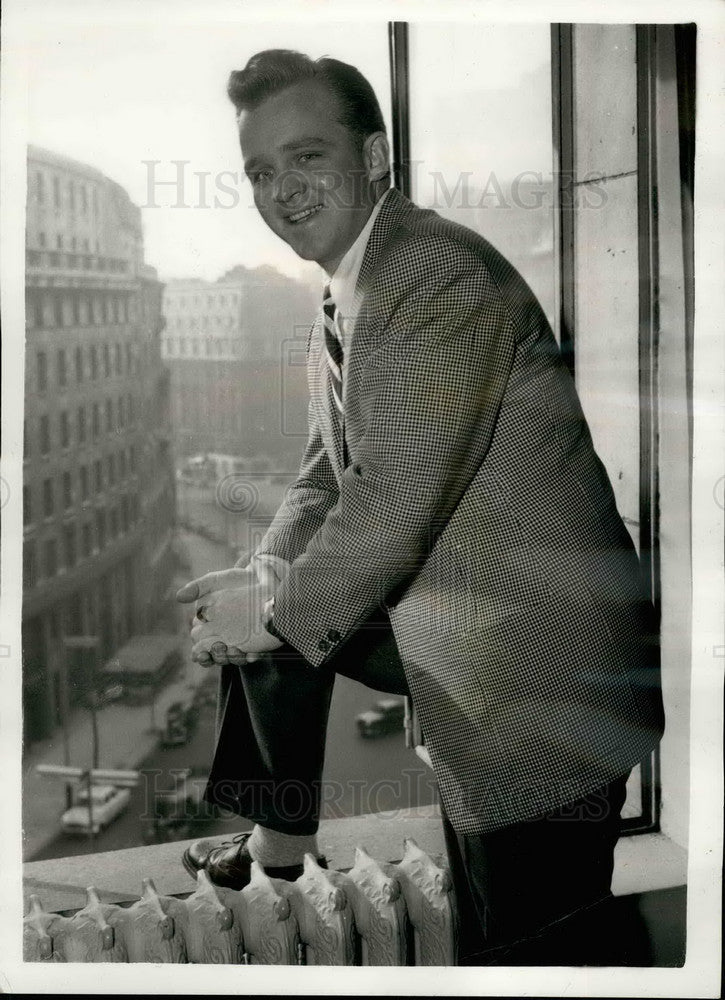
(107, 802)
(177, 810)
(387, 716)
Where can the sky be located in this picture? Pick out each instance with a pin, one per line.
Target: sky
(139, 92)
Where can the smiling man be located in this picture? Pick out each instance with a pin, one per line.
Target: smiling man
(451, 534)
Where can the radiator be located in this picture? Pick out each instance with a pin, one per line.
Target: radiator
(373, 914)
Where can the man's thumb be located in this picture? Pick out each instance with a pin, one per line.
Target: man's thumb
(189, 592)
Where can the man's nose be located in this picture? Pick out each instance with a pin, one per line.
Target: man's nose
(287, 185)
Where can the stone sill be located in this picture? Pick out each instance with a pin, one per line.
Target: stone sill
(643, 863)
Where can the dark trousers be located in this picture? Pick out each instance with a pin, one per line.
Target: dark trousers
(532, 893)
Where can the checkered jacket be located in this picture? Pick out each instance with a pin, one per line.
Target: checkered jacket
(475, 508)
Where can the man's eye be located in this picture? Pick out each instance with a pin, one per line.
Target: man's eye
(260, 175)
(306, 157)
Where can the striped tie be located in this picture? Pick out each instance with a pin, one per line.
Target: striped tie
(333, 348)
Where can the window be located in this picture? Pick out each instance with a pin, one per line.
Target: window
(86, 540)
(109, 309)
(106, 360)
(71, 196)
(84, 198)
(62, 369)
(45, 434)
(30, 564)
(465, 161)
(97, 476)
(27, 505)
(124, 513)
(111, 461)
(42, 371)
(117, 359)
(122, 464)
(79, 364)
(83, 474)
(101, 528)
(132, 457)
(109, 416)
(56, 192)
(81, 424)
(69, 544)
(51, 557)
(67, 490)
(94, 362)
(121, 412)
(59, 242)
(113, 523)
(64, 430)
(41, 239)
(40, 188)
(48, 499)
(129, 359)
(96, 421)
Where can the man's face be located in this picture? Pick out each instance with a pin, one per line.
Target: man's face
(310, 175)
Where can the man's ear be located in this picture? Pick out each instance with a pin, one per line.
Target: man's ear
(376, 153)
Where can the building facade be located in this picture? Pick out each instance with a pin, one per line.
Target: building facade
(235, 351)
(98, 487)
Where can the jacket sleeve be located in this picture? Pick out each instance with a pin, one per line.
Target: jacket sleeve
(430, 395)
(306, 503)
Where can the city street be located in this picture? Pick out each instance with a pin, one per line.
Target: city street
(362, 775)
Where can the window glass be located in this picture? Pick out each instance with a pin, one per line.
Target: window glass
(481, 144)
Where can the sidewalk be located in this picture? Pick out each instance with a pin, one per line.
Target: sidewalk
(126, 733)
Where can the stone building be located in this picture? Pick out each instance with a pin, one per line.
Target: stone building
(235, 350)
(98, 488)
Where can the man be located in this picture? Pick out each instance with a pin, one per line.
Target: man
(451, 533)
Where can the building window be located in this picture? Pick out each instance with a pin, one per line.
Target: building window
(109, 309)
(106, 360)
(41, 240)
(117, 359)
(79, 364)
(56, 192)
(51, 557)
(67, 490)
(71, 196)
(101, 528)
(86, 539)
(124, 513)
(45, 434)
(30, 312)
(42, 371)
(129, 409)
(111, 469)
(109, 416)
(94, 362)
(27, 505)
(64, 430)
(84, 198)
(83, 472)
(59, 242)
(81, 424)
(129, 359)
(122, 464)
(30, 564)
(121, 412)
(69, 541)
(40, 188)
(94, 194)
(48, 498)
(97, 310)
(83, 310)
(57, 311)
(132, 458)
(97, 476)
(113, 523)
(62, 369)
(96, 421)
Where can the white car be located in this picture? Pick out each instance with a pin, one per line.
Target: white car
(107, 802)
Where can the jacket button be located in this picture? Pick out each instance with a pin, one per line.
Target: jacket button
(333, 635)
(323, 645)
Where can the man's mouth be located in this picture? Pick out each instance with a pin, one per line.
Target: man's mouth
(306, 213)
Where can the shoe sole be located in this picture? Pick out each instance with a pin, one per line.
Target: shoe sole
(191, 868)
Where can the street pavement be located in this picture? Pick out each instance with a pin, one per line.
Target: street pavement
(361, 775)
(127, 733)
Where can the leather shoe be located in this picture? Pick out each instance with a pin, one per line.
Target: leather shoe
(229, 864)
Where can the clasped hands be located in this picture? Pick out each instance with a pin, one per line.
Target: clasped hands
(228, 625)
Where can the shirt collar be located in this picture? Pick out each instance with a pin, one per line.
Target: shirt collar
(344, 280)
